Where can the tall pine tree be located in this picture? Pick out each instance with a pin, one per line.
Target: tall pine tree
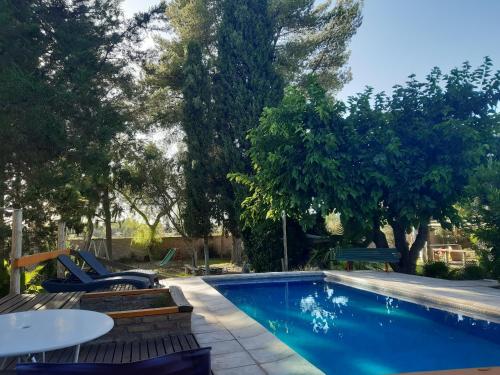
(245, 82)
(198, 139)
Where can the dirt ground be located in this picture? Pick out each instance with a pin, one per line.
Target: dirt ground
(175, 268)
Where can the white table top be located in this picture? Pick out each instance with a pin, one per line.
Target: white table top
(40, 331)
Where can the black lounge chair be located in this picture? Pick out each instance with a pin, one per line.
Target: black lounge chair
(189, 362)
(81, 282)
(101, 271)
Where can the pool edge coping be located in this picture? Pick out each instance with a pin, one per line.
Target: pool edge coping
(416, 295)
(285, 358)
(419, 296)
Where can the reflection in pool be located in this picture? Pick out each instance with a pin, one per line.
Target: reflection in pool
(343, 330)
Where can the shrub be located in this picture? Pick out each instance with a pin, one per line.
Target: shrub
(142, 240)
(264, 245)
(4, 277)
(439, 270)
(471, 272)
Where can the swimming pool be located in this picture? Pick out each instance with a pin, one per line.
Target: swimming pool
(344, 330)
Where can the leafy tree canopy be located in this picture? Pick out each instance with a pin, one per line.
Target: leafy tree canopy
(400, 160)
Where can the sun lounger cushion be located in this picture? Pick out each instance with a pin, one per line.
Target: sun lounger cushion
(101, 270)
(80, 281)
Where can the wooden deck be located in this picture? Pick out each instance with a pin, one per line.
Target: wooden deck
(24, 302)
(116, 352)
(113, 352)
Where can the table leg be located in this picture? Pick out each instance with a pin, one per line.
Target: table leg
(4, 362)
(77, 352)
(43, 357)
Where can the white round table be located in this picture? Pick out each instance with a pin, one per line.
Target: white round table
(31, 332)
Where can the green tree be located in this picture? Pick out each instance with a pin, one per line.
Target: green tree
(144, 178)
(292, 39)
(483, 212)
(199, 136)
(28, 122)
(400, 160)
(440, 130)
(66, 95)
(244, 84)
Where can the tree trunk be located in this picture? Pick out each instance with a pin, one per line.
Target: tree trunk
(237, 250)
(151, 240)
(89, 234)
(106, 206)
(403, 248)
(194, 252)
(205, 252)
(378, 236)
(418, 244)
(409, 255)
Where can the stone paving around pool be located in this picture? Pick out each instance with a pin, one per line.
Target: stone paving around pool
(241, 346)
(474, 298)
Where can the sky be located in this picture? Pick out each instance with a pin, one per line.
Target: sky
(401, 37)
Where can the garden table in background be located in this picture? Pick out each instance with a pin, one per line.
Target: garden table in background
(31, 332)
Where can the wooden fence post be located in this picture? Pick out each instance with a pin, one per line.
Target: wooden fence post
(61, 245)
(16, 250)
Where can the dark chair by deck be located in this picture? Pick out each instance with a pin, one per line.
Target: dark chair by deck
(81, 282)
(101, 271)
(189, 362)
(378, 255)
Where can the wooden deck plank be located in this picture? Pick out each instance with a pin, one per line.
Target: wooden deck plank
(54, 356)
(92, 353)
(192, 341)
(6, 298)
(121, 352)
(36, 303)
(143, 354)
(11, 363)
(160, 348)
(127, 353)
(135, 352)
(22, 304)
(184, 343)
(153, 353)
(175, 343)
(84, 352)
(14, 303)
(118, 355)
(169, 348)
(110, 352)
(58, 301)
(73, 300)
(68, 355)
(101, 352)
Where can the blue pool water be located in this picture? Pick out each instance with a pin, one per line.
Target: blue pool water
(344, 330)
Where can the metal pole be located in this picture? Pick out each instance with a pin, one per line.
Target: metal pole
(16, 250)
(285, 245)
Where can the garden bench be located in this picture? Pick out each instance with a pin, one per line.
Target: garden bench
(376, 255)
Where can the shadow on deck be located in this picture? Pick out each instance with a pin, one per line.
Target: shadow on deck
(118, 352)
(111, 352)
